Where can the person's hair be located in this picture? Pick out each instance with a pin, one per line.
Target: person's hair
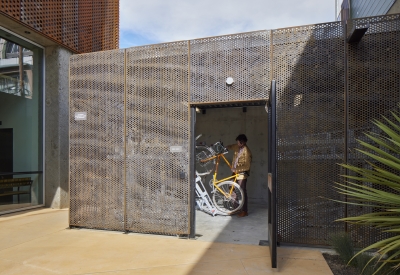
(241, 138)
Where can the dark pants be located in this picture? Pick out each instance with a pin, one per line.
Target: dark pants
(242, 184)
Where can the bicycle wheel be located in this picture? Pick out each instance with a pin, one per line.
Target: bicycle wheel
(228, 202)
(204, 152)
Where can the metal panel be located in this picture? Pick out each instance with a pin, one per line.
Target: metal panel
(373, 73)
(97, 143)
(11, 7)
(308, 66)
(70, 23)
(244, 57)
(84, 25)
(31, 13)
(105, 21)
(363, 8)
(157, 118)
(52, 19)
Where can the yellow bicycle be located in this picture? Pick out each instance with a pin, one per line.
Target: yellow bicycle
(227, 195)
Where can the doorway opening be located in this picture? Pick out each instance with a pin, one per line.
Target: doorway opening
(223, 123)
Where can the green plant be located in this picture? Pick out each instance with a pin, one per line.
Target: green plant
(343, 246)
(365, 266)
(363, 188)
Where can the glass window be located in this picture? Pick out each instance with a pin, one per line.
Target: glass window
(21, 130)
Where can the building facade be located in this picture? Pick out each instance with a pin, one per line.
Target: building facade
(347, 9)
(37, 39)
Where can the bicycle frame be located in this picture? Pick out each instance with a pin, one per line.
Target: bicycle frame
(215, 181)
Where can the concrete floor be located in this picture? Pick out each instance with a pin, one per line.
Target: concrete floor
(14, 206)
(231, 229)
(39, 242)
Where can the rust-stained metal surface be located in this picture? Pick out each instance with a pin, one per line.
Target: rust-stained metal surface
(328, 91)
(12, 8)
(157, 118)
(97, 142)
(84, 25)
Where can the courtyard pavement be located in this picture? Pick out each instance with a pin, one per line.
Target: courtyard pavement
(39, 242)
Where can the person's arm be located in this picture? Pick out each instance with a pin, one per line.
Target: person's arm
(231, 146)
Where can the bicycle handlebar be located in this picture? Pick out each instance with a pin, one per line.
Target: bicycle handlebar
(219, 148)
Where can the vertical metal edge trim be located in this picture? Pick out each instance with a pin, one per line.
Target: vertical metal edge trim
(273, 164)
(192, 182)
(271, 57)
(346, 111)
(335, 18)
(20, 67)
(69, 141)
(125, 160)
(192, 226)
(274, 178)
(43, 69)
(188, 84)
(349, 3)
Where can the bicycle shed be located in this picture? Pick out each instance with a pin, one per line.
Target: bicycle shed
(130, 113)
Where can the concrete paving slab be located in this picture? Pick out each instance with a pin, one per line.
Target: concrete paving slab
(231, 229)
(23, 227)
(58, 250)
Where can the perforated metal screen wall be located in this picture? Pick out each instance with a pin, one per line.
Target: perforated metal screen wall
(327, 93)
(84, 25)
(309, 70)
(374, 86)
(97, 155)
(244, 57)
(157, 118)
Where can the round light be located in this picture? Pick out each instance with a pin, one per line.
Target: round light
(229, 81)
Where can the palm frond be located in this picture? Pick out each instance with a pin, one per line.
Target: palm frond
(376, 188)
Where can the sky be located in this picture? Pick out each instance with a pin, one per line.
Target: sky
(144, 22)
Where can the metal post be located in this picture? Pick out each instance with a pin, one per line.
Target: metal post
(272, 170)
(192, 179)
(21, 70)
(125, 143)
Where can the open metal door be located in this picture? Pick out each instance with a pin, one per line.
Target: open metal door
(272, 216)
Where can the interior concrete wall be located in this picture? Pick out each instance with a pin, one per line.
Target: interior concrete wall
(225, 125)
(56, 127)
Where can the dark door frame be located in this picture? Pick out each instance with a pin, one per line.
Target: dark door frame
(272, 170)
